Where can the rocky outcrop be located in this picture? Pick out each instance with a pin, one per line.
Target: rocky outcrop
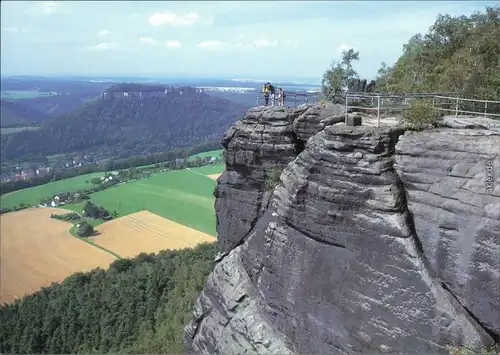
(262, 141)
(374, 240)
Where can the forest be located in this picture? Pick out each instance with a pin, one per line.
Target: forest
(138, 305)
(125, 127)
(459, 54)
(15, 114)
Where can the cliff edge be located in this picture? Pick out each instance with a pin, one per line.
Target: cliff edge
(374, 239)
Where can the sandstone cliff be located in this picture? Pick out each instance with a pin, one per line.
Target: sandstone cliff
(375, 240)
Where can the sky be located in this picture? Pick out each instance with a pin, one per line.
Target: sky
(231, 39)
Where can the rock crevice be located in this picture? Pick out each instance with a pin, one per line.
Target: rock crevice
(368, 243)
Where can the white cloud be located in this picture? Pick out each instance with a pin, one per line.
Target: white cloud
(173, 44)
(211, 45)
(259, 43)
(172, 19)
(291, 42)
(245, 46)
(103, 33)
(148, 40)
(105, 46)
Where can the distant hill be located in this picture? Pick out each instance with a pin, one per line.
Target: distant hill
(17, 114)
(125, 126)
(58, 104)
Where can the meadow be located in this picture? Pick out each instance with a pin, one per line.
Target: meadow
(169, 210)
(33, 195)
(183, 196)
(210, 169)
(213, 153)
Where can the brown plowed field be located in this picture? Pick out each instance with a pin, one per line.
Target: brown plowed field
(37, 250)
(146, 232)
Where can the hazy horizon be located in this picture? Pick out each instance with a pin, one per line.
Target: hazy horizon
(209, 39)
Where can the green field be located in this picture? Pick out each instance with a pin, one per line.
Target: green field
(212, 153)
(33, 195)
(210, 169)
(17, 129)
(23, 94)
(182, 196)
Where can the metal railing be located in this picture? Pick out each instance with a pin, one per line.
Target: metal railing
(458, 106)
(292, 98)
(379, 103)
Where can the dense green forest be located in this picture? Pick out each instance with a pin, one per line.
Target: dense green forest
(138, 305)
(458, 54)
(57, 105)
(15, 114)
(126, 127)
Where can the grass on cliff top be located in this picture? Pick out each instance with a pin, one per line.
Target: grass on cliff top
(183, 196)
(33, 195)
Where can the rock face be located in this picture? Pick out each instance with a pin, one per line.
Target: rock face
(455, 212)
(265, 139)
(373, 241)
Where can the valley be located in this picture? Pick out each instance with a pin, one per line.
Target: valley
(169, 210)
(153, 203)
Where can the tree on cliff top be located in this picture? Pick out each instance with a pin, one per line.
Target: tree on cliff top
(340, 75)
(459, 54)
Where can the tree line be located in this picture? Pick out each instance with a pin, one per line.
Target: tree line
(138, 305)
(109, 165)
(459, 54)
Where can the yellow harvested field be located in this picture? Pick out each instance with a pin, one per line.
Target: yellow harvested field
(37, 250)
(214, 176)
(146, 232)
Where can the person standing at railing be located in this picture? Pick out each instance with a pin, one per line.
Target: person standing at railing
(271, 92)
(265, 90)
(281, 97)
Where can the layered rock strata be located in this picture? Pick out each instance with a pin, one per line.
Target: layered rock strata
(374, 241)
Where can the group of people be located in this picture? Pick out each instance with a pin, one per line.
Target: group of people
(269, 91)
